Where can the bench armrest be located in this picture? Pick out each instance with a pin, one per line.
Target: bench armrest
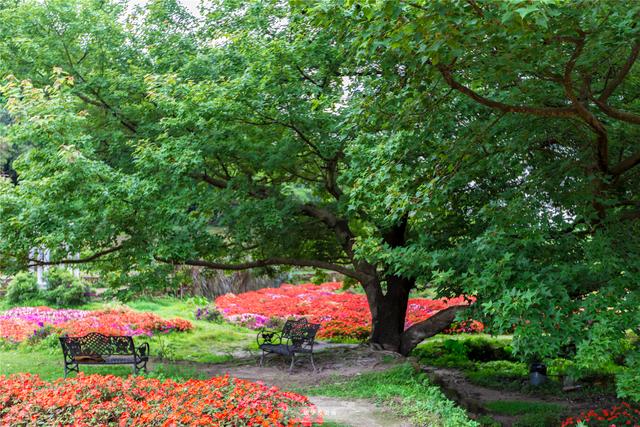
(143, 350)
(266, 336)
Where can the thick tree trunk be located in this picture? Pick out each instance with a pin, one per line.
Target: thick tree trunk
(389, 311)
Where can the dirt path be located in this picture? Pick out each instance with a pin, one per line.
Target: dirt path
(355, 412)
(334, 363)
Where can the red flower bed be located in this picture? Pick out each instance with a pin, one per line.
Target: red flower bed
(341, 314)
(20, 323)
(617, 416)
(97, 400)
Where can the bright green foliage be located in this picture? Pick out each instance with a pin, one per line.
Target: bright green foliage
(23, 287)
(64, 289)
(486, 148)
(527, 117)
(628, 381)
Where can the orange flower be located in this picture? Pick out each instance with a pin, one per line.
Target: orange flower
(97, 400)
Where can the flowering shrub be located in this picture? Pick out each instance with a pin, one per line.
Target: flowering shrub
(617, 416)
(97, 400)
(23, 323)
(341, 314)
(210, 314)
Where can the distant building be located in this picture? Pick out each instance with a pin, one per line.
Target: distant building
(43, 255)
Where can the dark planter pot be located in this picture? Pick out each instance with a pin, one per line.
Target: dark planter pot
(537, 374)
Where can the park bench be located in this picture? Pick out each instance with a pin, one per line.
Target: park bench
(296, 337)
(98, 349)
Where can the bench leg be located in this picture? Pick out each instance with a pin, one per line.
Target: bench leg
(313, 364)
(262, 359)
(293, 360)
(135, 369)
(69, 367)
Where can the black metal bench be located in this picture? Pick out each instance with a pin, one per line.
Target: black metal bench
(98, 349)
(296, 337)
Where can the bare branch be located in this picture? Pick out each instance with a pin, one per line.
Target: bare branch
(271, 262)
(95, 256)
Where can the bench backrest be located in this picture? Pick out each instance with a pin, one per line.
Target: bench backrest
(97, 344)
(290, 324)
(300, 332)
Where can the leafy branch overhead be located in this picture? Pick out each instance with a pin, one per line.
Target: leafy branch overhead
(478, 148)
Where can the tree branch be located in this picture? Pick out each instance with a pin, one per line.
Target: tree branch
(309, 78)
(331, 178)
(271, 262)
(622, 74)
(602, 140)
(507, 108)
(428, 328)
(339, 226)
(36, 263)
(626, 164)
(617, 114)
(101, 103)
(215, 182)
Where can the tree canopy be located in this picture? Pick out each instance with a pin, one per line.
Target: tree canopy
(482, 148)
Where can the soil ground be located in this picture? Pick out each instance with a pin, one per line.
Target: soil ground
(337, 362)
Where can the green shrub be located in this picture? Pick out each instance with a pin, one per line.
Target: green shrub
(64, 289)
(463, 352)
(23, 287)
(494, 374)
(628, 380)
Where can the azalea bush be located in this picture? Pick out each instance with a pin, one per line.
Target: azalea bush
(341, 314)
(97, 400)
(620, 415)
(21, 323)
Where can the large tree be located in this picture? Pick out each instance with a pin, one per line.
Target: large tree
(230, 142)
(545, 154)
(488, 148)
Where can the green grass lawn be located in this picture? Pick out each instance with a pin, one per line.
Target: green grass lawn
(48, 365)
(207, 343)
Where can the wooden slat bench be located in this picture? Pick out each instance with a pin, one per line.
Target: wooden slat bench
(97, 349)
